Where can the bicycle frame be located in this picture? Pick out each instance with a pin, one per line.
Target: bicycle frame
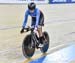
(33, 37)
(31, 42)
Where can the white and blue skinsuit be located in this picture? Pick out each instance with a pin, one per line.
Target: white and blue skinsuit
(37, 18)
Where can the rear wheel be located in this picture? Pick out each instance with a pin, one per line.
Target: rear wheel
(27, 48)
(46, 43)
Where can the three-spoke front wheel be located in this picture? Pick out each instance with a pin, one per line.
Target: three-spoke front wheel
(27, 48)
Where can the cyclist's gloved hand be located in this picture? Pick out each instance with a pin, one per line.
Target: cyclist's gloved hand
(27, 29)
(22, 30)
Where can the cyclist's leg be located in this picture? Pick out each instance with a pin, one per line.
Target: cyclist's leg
(40, 34)
(39, 29)
(41, 24)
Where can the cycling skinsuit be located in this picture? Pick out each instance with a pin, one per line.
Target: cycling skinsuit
(37, 18)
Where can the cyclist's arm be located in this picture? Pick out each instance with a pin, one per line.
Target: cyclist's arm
(37, 18)
(25, 19)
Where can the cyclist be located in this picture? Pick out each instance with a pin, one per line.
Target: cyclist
(37, 20)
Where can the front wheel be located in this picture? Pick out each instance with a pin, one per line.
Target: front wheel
(46, 42)
(27, 48)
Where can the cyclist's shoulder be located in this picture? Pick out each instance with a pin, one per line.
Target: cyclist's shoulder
(26, 11)
(37, 10)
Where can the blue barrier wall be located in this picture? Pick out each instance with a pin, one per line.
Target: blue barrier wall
(61, 1)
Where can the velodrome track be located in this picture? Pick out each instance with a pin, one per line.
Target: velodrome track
(59, 22)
